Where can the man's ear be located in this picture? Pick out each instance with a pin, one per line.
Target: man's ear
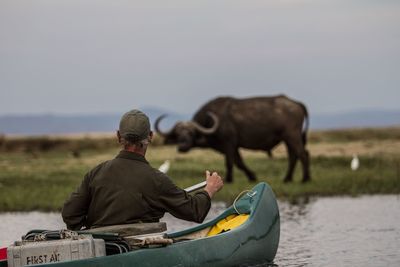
(150, 136)
(119, 137)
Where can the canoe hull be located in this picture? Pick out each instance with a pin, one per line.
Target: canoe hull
(254, 242)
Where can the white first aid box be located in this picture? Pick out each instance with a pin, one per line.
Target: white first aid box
(28, 252)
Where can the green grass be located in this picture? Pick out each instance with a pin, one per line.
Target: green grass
(330, 176)
(42, 181)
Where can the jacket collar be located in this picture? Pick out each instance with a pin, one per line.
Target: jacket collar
(123, 154)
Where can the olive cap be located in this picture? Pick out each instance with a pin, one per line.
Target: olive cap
(134, 124)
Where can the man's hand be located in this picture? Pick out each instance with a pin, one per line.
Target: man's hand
(214, 183)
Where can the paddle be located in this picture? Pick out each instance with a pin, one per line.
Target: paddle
(165, 167)
(196, 187)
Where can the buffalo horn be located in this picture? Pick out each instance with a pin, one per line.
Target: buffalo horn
(156, 124)
(210, 130)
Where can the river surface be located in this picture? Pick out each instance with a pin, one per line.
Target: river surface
(331, 231)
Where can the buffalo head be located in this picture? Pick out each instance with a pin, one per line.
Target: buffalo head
(187, 134)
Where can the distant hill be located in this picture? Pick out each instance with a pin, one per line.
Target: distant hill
(67, 124)
(355, 119)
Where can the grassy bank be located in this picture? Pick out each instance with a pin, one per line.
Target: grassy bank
(32, 179)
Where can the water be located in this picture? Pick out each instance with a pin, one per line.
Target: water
(362, 231)
(334, 231)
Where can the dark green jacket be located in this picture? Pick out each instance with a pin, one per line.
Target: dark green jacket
(128, 190)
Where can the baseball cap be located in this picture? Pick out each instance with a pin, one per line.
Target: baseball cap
(134, 124)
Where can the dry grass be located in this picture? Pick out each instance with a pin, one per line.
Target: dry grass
(344, 149)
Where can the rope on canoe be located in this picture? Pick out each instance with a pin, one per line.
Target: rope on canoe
(237, 198)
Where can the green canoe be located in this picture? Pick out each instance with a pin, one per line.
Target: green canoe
(254, 242)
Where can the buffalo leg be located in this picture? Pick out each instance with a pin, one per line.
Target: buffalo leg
(305, 161)
(303, 155)
(299, 151)
(229, 168)
(292, 164)
(240, 164)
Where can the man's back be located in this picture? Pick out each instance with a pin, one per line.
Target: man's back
(128, 190)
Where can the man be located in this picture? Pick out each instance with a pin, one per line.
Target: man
(128, 190)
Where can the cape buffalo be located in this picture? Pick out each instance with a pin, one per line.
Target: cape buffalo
(226, 124)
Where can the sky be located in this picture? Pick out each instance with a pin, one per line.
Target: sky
(96, 56)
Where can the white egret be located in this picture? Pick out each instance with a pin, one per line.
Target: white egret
(165, 166)
(355, 163)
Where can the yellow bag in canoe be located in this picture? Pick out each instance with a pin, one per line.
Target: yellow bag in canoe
(228, 223)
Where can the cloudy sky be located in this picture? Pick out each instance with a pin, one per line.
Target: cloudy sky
(97, 56)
